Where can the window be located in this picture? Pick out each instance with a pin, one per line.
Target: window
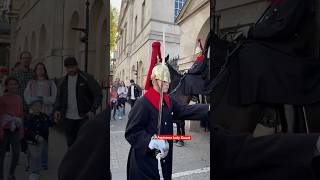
(142, 14)
(125, 37)
(121, 41)
(177, 7)
(135, 26)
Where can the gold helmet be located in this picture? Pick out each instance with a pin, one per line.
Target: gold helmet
(157, 73)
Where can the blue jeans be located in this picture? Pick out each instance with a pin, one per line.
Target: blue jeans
(44, 154)
(120, 111)
(13, 139)
(35, 151)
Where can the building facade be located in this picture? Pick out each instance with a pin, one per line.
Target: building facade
(141, 22)
(194, 22)
(4, 35)
(45, 29)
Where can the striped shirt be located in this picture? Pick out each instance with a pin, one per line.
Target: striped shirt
(23, 78)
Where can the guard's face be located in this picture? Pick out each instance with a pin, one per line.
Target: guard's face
(72, 70)
(164, 84)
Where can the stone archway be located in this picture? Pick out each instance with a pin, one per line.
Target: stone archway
(19, 50)
(95, 14)
(42, 43)
(123, 76)
(133, 73)
(204, 32)
(72, 38)
(26, 44)
(140, 74)
(33, 46)
(101, 54)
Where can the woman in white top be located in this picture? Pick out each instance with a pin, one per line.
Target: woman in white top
(122, 97)
(41, 86)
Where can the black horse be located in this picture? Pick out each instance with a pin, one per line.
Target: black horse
(269, 76)
(177, 89)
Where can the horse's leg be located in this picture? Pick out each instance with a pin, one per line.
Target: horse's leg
(289, 111)
(312, 118)
(237, 119)
(283, 115)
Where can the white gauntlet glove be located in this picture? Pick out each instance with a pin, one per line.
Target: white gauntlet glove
(161, 145)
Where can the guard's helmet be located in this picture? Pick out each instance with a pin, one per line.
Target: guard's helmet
(157, 73)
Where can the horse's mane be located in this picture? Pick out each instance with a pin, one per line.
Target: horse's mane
(175, 77)
(175, 80)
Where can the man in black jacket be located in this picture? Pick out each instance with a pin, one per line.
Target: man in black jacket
(79, 96)
(134, 92)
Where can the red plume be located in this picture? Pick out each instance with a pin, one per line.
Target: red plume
(200, 57)
(155, 53)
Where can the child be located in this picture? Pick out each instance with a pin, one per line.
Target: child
(36, 132)
(11, 125)
(113, 100)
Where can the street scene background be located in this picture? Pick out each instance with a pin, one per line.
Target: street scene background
(191, 161)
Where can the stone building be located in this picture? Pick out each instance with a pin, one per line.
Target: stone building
(4, 35)
(194, 22)
(141, 22)
(44, 27)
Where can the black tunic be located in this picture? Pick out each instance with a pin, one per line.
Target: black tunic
(279, 63)
(276, 157)
(142, 125)
(88, 158)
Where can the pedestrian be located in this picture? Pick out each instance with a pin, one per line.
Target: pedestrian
(142, 127)
(36, 126)
(23, 73)
(41, 86)
(79, 96)
(117, 83)
(180, 132)
(11, 125)
(122, 97)
(3, 72)
(134, 92)
(113, 101)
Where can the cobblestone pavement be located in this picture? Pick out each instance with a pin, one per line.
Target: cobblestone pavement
(57, 148)
(189, 162)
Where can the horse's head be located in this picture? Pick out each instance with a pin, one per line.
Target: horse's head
(174, 75)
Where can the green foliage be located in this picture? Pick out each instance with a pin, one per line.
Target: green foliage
(114, 15)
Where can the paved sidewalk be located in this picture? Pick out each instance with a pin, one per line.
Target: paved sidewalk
(189, 162)
(57, 148)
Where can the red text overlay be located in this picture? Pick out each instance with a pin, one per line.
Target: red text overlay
(173, 137)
